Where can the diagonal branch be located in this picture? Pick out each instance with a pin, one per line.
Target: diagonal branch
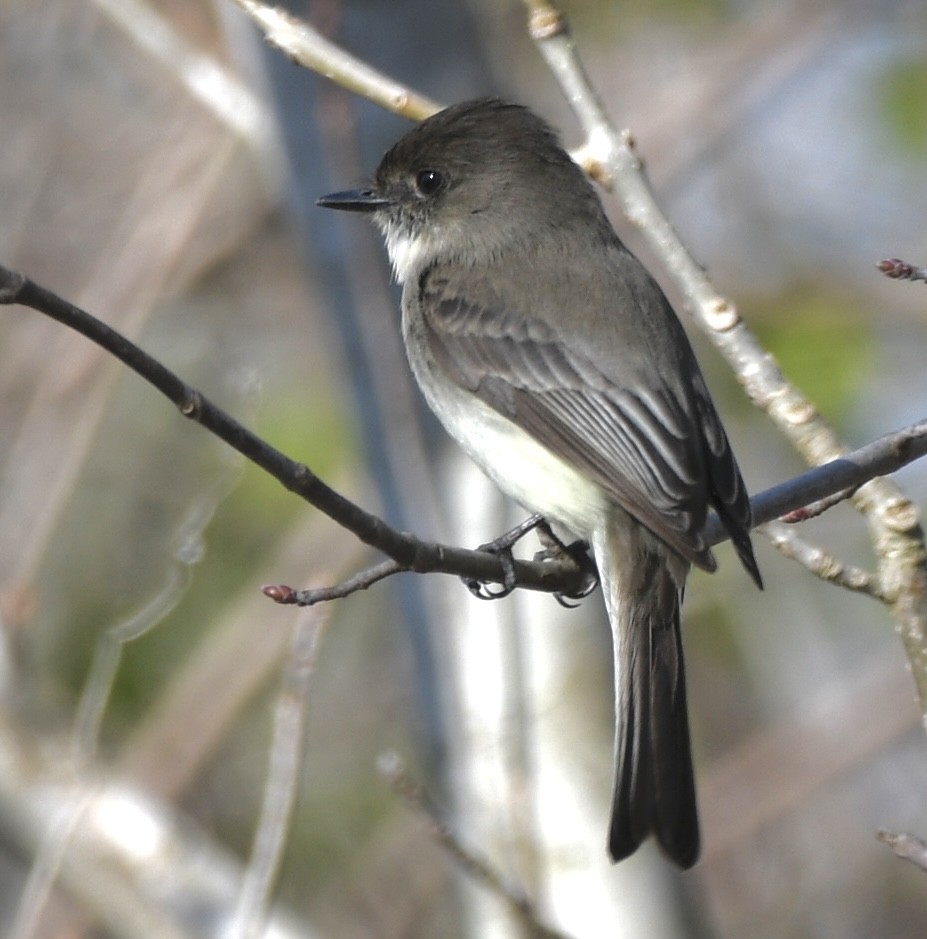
(609, 157)
(306, 46)
(406, 552)
(410, 553)
(479, 868)
(820, 563)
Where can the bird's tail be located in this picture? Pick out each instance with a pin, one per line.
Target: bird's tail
(654, 781)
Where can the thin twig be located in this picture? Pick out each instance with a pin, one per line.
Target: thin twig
(908, 847)
(415, 797)
(820, 563)
(815, 509)
(280, 785)
(307, 47)
(202, 76)
(281, 593)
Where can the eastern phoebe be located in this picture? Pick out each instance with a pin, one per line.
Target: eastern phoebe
(554, 359)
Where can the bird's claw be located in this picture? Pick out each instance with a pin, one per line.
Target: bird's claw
(570, 601)
(502, 549)
(578, 552)
(554, 549)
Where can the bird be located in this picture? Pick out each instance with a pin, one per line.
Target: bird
(553, 357)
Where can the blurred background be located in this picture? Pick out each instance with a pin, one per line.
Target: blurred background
(158, 168)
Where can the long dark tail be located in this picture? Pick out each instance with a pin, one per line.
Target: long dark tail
(654, 780)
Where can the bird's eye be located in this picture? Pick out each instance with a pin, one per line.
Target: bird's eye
(429, 182)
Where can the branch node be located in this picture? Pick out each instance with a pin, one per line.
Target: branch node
(721, 315)
(597, 170)
(902, 516)
(192, 404)
(799, 412)
(546, 22)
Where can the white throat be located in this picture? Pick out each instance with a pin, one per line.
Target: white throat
(407, 253)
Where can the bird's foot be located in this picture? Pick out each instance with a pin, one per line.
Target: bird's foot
(554, 550)
(576, 551)
(502, 548)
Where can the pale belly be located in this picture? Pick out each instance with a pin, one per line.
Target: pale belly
(515, 461)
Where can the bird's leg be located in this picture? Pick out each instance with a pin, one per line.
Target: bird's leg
(577, 552)
(502, 548)
(553, 549)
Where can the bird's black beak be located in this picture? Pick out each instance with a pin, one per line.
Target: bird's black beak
(354, 200)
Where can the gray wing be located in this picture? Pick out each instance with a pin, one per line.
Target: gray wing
(653, 442)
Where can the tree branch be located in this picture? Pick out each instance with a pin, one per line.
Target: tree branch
(609, 156)
(804, 494)
(410, 553)
(820, 563)
(480, 869)
(405, 551)
(204, 78)
(303, 44)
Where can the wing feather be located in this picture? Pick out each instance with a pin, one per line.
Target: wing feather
(661, 453)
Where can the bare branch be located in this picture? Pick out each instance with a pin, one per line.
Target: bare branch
(280, 786)
(848, 472)
(608, 156)
(406, 552)
(820, 563)
(893, 521)
(205, 78)
(478, 868)
(281, 593)
(309, 48)
(409, 552)
(805, 496)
